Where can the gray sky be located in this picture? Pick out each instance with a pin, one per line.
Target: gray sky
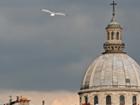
(38, 52)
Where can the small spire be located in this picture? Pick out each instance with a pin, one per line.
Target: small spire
(43, 102)
(10, 100)
(113, 4)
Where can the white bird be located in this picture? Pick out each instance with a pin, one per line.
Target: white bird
(52, 13)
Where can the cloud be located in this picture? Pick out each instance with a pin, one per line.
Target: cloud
(38, 52)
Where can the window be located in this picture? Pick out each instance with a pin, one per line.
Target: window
(108, 100)
(134, 100)
(108, 35)
(80, 99)
(112, 35)
(96, 100)
(122, 100)
(86, 100)
(117, 35)
(127, 80)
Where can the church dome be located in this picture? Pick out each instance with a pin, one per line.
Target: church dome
(113, 24)
(112, 71)
(114, 77)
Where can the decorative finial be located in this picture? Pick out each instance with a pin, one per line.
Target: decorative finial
(113, 4)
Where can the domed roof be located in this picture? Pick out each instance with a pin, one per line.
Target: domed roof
(113, 24)
(112, 70)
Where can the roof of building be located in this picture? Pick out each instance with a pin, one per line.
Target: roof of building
(116, 69)
(114, 24)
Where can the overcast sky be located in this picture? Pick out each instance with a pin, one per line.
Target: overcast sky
(39, 52)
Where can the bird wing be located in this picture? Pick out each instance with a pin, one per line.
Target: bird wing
(48, 11)
(62, 14)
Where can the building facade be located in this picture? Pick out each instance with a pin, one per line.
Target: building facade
(114, 77)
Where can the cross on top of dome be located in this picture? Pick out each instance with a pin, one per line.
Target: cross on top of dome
(113, 5)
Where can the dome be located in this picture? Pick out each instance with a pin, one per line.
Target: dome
(113, 24)
(114, 77)
(112, 70)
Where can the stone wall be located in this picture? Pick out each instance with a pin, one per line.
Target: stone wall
(115, 97)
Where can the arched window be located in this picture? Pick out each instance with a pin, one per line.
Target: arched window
(108, 100)
(134, 100)
(86, 100)
(122, 100)
(112, 35)
(118, 35)
(96, 100)
(108, 35)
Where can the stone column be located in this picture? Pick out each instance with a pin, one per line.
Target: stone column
(102, 98)
(82, 99)
(128, 99)
(138, 99)
(91, 99)
(115, 99)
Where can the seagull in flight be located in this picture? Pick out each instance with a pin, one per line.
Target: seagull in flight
(53, 13)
